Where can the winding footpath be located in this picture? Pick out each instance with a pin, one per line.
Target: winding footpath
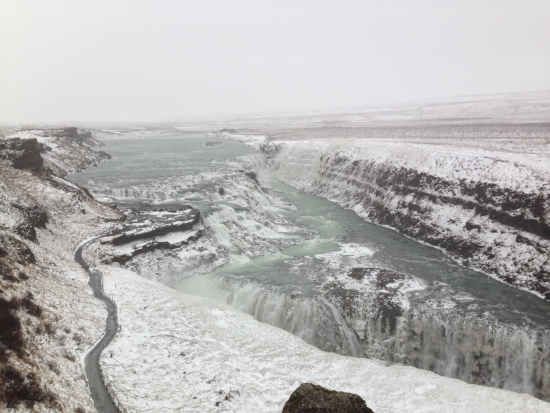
(100, 395)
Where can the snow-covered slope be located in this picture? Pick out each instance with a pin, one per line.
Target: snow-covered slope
(177, 352)
(49, 319)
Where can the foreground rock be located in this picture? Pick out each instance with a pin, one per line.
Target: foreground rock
(310, 398)
(23, 153)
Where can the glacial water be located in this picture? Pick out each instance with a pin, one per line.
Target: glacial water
(460, 323)
(143, 160)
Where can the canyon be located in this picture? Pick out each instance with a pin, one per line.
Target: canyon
(398, 258)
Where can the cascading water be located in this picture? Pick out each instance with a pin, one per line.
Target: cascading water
(312, 318)
(453, 344)
(292, 260)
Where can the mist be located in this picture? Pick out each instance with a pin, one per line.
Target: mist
(145, 61)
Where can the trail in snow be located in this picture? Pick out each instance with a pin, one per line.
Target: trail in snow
(100, 394)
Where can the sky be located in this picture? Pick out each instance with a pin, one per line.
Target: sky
(145, 60)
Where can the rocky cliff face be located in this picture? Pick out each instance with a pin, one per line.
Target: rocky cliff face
(60, 151)
(490, 211)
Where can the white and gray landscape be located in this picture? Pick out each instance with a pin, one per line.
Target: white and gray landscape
(214, 263)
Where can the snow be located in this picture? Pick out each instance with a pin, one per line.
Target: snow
(208, 357)
(254, 141)
(176, 237)
(358, 255)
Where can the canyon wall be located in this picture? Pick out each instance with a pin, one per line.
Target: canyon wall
(489, 210)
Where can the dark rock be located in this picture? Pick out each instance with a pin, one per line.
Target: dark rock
(192, 219)
(104, 155)
(470, 226)
(24, 153)
(35, 217)
(16, 250)
(221, 191)
(71, 134)
(310, 398)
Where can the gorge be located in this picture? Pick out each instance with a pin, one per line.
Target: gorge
(397, 251)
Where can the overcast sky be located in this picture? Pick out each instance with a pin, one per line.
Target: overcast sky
(149, 60)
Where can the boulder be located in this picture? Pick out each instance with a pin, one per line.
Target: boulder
(310, 398)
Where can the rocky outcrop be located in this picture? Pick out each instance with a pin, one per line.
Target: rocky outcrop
(147, 229)
(34, 216)
(58, 151)
(23, 153)
(157, 231)
(310, 398)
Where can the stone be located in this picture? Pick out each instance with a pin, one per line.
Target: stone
(310, 398)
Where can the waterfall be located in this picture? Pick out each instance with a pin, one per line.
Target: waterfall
(244, 222)
(475, 350)
(312, 318)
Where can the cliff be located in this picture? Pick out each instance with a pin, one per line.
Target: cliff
(489, 210)
(59, 151)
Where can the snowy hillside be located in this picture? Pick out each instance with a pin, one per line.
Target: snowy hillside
(49, 319)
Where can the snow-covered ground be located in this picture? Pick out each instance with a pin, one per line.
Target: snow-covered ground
(180, 353)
